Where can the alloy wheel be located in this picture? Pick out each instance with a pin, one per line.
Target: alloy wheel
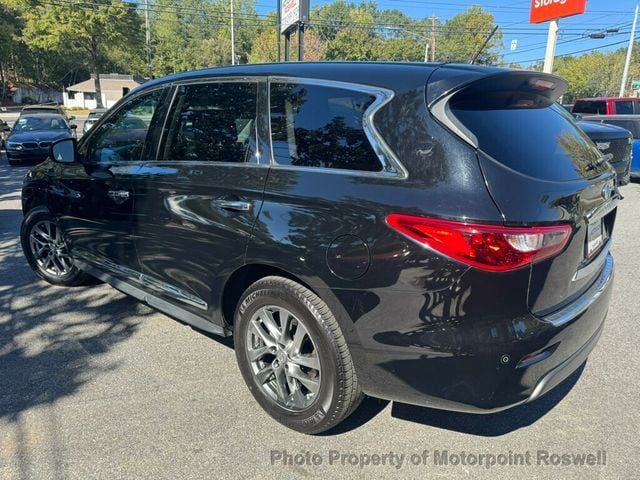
(283, 357)
(49, 249)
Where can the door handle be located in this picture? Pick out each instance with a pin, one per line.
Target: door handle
(236, 205)
(119, 196)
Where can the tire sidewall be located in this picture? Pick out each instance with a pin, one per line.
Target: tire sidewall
(312, 418)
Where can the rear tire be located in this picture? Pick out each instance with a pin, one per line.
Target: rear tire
(46, 250)
(302, 375)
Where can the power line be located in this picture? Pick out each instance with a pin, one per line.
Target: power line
(580, 51)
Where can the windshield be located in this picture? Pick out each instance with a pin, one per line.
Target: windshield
(31, 124)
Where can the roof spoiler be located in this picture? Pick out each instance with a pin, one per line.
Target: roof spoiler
(446, 81)
(473, 88)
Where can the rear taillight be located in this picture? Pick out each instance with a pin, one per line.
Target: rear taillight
(488, 247)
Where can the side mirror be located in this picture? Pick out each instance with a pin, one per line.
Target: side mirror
(73, 126)
(64, 151)
(71, 117)
(6, 128)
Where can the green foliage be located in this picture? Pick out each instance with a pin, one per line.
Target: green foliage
(463, 35)
(401, 49)
(353, 43)
(190, 34)
(596, 73)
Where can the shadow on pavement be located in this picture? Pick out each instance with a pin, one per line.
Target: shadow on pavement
(51, 338)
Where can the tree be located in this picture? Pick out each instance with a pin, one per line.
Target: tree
(596, 73)
(401, 50)
(463, 35)
(7, 30)
(89, 28)
(191, 34)
(353, 43)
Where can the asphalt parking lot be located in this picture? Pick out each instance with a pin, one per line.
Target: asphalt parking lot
(94, 384)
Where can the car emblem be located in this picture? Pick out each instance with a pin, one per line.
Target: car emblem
(603, 145)
(607, 191)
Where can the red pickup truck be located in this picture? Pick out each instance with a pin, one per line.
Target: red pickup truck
(607, 106)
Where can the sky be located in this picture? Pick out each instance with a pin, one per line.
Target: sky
(513, 18)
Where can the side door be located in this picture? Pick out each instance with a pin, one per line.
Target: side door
(197, 203)
(94, 199)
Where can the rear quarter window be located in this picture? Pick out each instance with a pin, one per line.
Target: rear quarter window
(321, 126)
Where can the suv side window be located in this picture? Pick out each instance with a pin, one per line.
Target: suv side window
(214, 122)
(320, 126)
(123, 136)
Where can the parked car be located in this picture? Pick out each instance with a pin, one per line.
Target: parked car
(33, 134)
(614, 143)
(46, 108)
(433, 234)
(607, 106)
(628, 122)
(94, 116)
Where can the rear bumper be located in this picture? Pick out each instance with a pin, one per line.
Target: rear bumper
(499, 372)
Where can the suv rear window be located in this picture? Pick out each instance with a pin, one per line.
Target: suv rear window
(539, 142)
(319, 126)
(590, 106)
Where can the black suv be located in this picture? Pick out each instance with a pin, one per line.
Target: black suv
(434, 234)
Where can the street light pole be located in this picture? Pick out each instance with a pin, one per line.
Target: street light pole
(148, 37)
(625, 74)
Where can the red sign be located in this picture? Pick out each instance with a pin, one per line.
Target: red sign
(543, 10)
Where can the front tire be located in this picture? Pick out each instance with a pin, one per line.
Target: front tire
(293, 356)
(46, 251)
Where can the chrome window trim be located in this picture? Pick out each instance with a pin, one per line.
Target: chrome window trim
(391, 165)
(221, 79)
(440, 109)
(200, 163)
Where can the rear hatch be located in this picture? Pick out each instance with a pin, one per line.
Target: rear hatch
(539, 167)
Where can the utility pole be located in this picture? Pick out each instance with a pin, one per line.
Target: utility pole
(233, 39)
(278, 35)
(554, 25)
(433, 38)
(301, 42)
(625, 74)
(148, 37)
(426, 52)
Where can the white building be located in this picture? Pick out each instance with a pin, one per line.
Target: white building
(114, 86)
